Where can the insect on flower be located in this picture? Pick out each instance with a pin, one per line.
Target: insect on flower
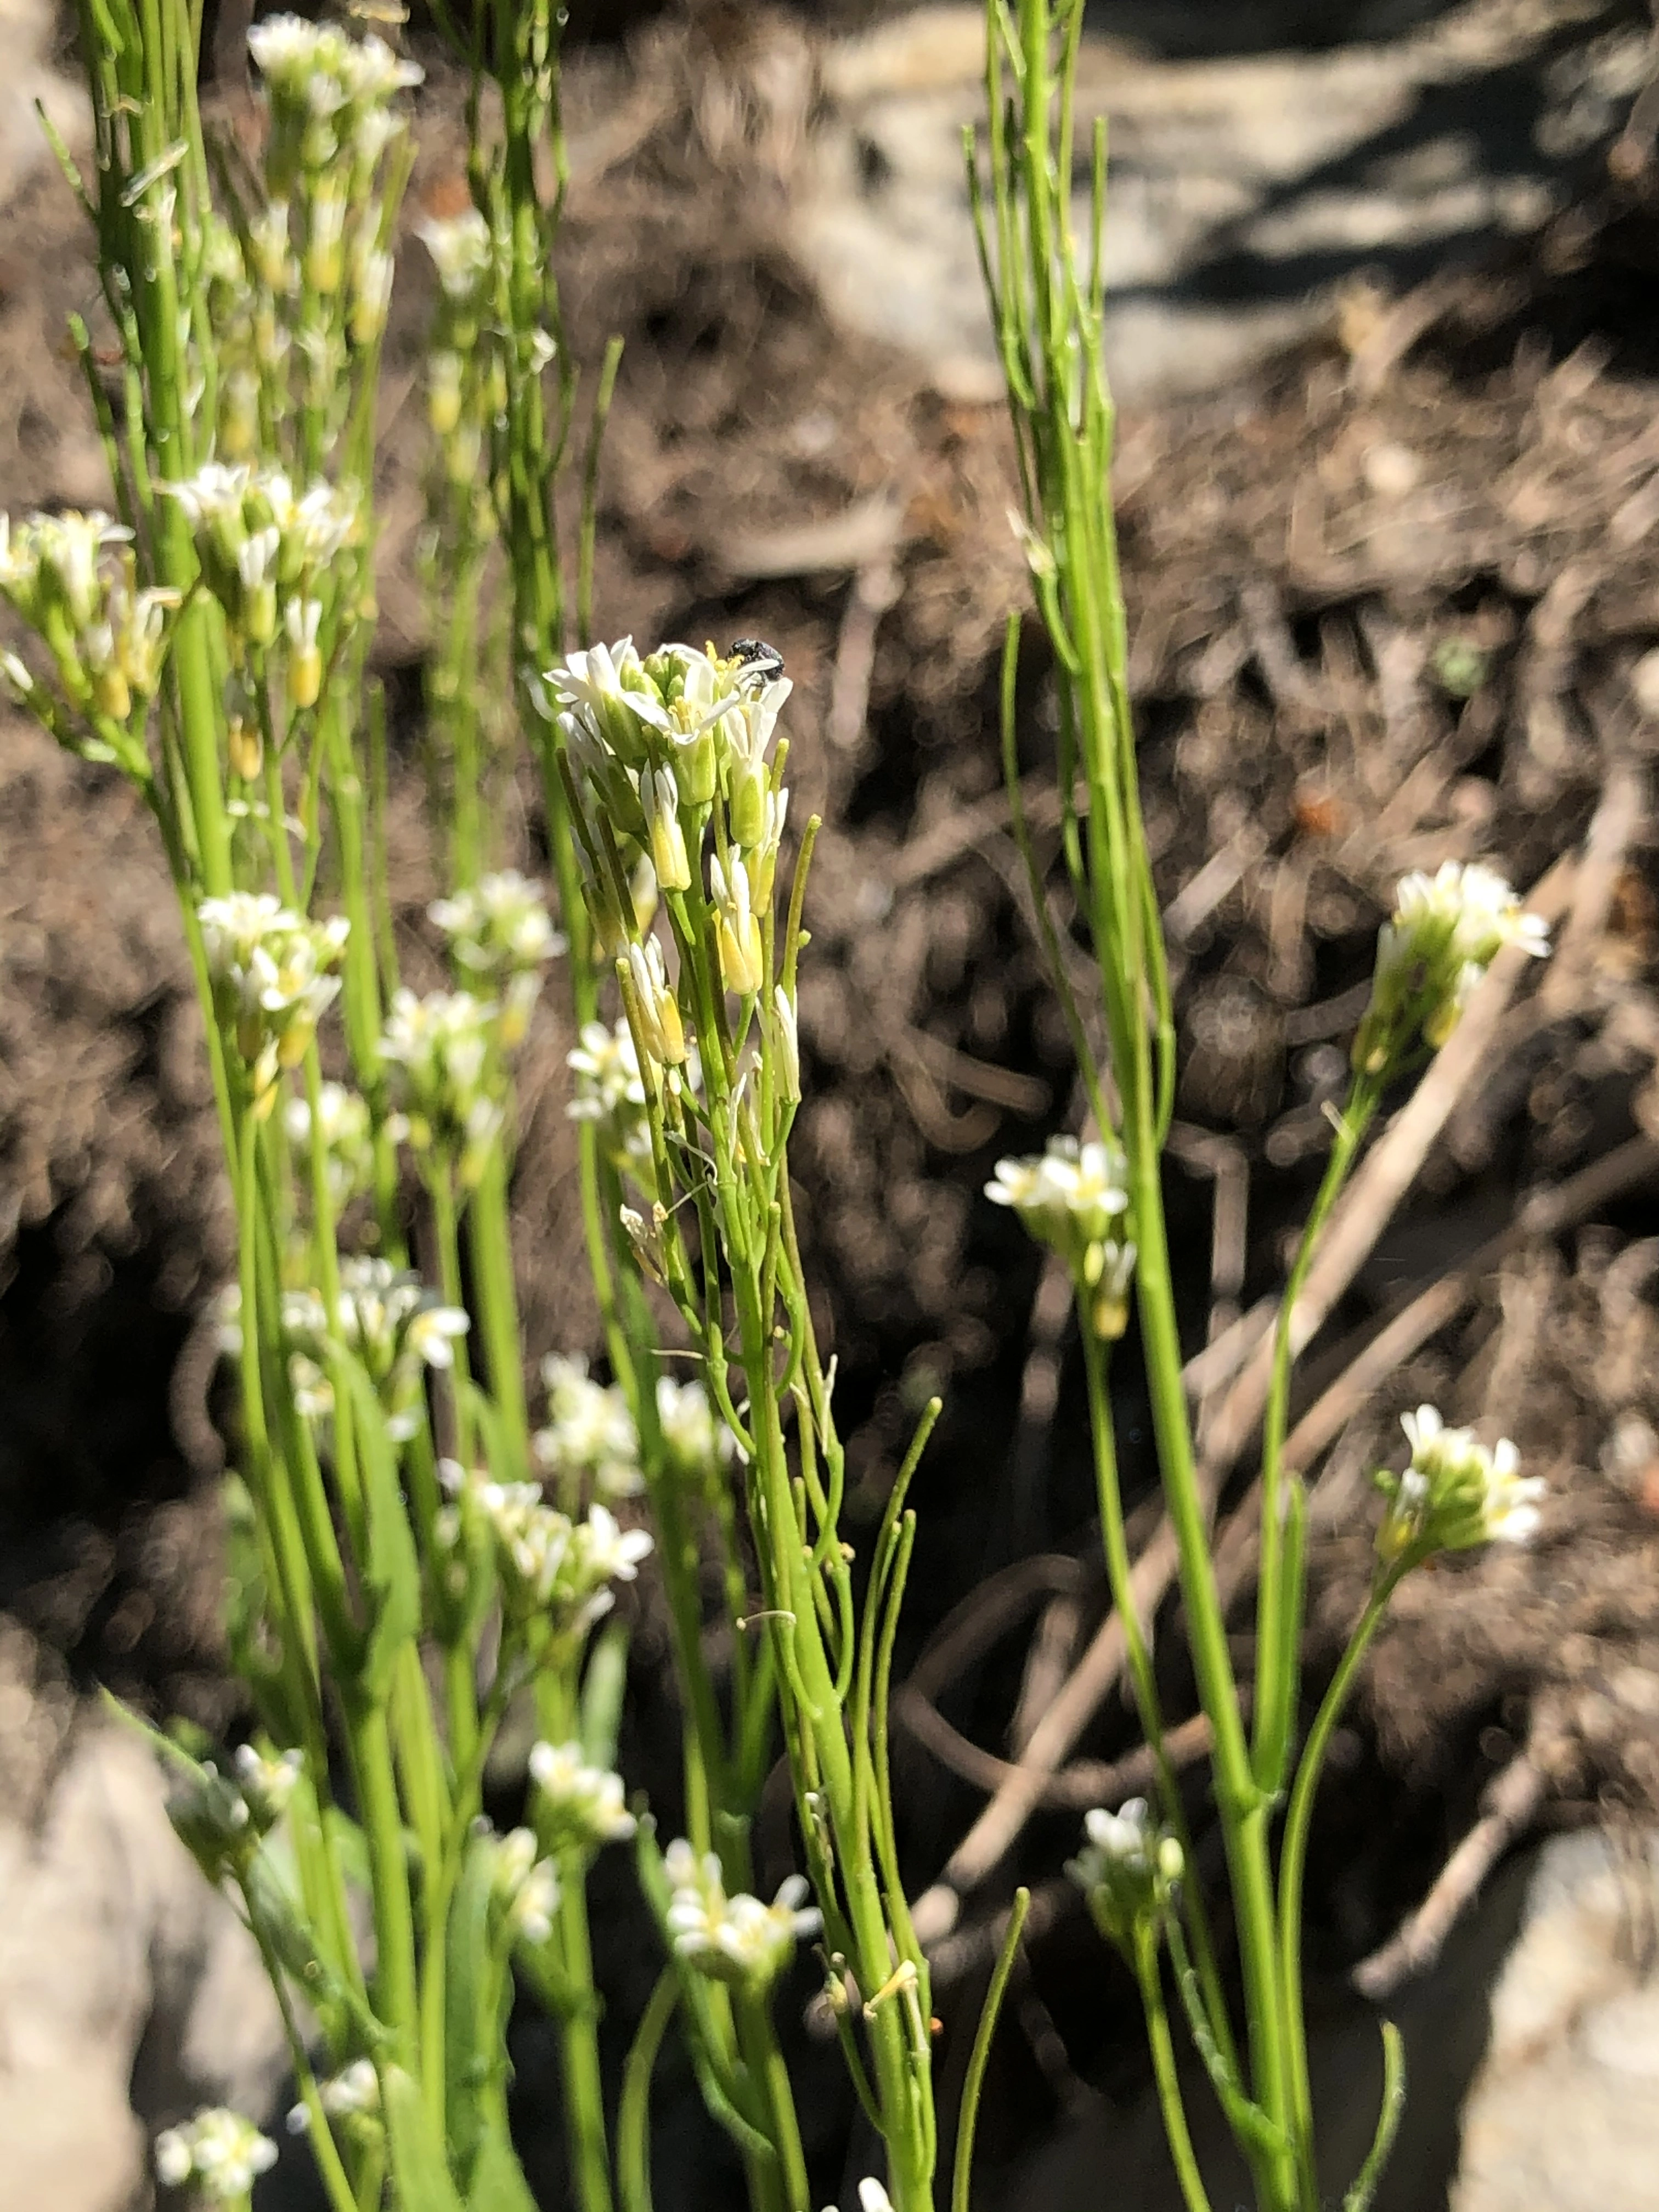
(761, 663)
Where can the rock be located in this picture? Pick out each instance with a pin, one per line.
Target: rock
(1245, 193)
(1564, 2110)
(130, 1993)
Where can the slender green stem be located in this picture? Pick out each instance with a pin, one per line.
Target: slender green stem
(968, 2121)
(758, 2042)
(634, 2112)
(1292, 1865)
(1163, 2069)
(370, 1746)
(1279, 1599)
(584, 2090)
(1243, 1812)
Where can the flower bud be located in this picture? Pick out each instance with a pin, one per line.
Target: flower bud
(660, 798)
(738, 932)
(662, 1032)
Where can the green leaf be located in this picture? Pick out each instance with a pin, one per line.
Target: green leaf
(420, 2172)
(393, 1570)
(602, 1689)
(474, 1991)
(498, 2182)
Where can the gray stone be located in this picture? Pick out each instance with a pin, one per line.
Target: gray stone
(1244, 193)
(129, 1992)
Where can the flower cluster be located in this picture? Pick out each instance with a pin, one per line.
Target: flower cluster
(525, 1888)
(266, 552)
(389, 1319)
(500, 937)
(267, 1781)
(1075, 1198)
(347, 1130)
(663, 753)
(579, 1805)
(590, 1439)
(73, 580)
(463, 372)
(732, 1939)
(552, 1567)
(1444, 932)
(331, 123)
(269, 970)
(1455, 1494)
(1127, 1869)
(218, 2151)
(214, 1819)
(696, 1448)
(610, 1093)
(442, 1075)
(352, 2095)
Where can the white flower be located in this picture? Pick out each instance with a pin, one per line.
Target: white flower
(590, 1436)
(1455, 1493)
(357, 2088)
(737, 931)
(697, 1444)
(610, 1091)
(1126, 1869)
(735, 1939)
(219, 2151)
(583, 1804)
(267, 1784)
(873, 2198)
(389, 1319)
(1073, 1198)
(526, 1886)
(660, 1026)
(1444, 932)
(348, 1139)
(460, 248)
(439, 1048)
(214, 494)
(270, 969)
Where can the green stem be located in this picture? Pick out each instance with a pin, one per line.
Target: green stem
(490, 1238)
(1278, 1599)
(1292, 1865)
(584, 2090)
(1242, 1809)
(758, 2042)
(979, 2058)
(634, 2112)
(375, 1777)
(1164, 2068)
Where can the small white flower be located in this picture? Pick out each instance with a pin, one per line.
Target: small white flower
(460, 249)
(1444, 932)
(738, 930)
(735, 1939)
(267, 1784)
(873, 2198)
(1455, 1493)
(590, 1436)
(1074, 1198)
(1126, 1869)
(583, 1804)
(526, 1886)
(699, 1448)
(219, 2150)
(661, 1028)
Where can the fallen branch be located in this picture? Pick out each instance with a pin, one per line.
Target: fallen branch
(1510, 1805)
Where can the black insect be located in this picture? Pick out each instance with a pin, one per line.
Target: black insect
(761, 663)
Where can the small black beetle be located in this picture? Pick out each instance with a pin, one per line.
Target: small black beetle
(762, 662)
